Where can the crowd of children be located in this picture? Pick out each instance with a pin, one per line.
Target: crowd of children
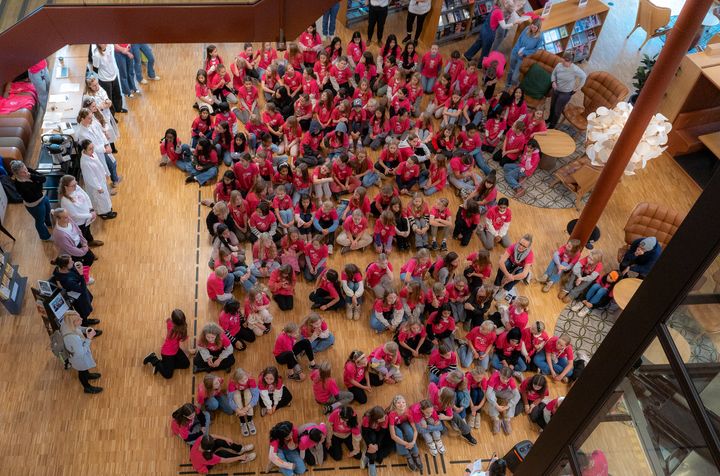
(298, 182)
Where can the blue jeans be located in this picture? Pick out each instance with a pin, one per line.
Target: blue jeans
(309, 276)
(466, 357)
(476, 395)
(513, 175)
(328, 20)
(125, 70)
(521, 366)
(287, 215)
(480, 160)
(135, 49)
(319, 345)
(292, 456)
(370, 179)
(353, 287)
(417, 279)
(41, 81)
(221, 402)
(112, 168)
(559, 366)
(41, 214)
(249, 283)
(553, 273)
(375, 323)
(514, 69)
(205, 176)
(427, 84)
(595, 294)
(484, 41)
(434, 378)
(405, 431)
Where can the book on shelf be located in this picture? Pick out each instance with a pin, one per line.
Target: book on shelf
(563, 31)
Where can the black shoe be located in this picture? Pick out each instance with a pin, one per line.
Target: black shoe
(470, 439)
(123, 110)
(92, 389)
(407, 361)
(406, 39)
(113, 149)
(149, 358)
(434, 246)
(91, 322)
(443, 246)
(98, 332)
(94, 376)
(190, 179)
(109, 216)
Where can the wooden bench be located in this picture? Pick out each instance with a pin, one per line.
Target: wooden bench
(688, 126)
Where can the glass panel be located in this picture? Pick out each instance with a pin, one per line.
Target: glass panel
(648, 428)
(563, 469)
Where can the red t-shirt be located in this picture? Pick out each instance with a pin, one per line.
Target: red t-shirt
(498, 385)
(514, 140)
(353, 372)
(498, 219)
(354, 229)
(262, 223)
(316, 254)
(384, 231)
(551, 347)
(323, 390)
(437, 360)
(342, 76)
(198, 460)
(532, 394)
(480, 342)
(375, 273)
(416, 268)
(431, 65)
(171, 346)
(341, 427)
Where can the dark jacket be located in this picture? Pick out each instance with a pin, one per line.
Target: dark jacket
(74, 281)
(640, 264)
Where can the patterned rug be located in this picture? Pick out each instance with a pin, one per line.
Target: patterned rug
(538, 191)
(588, 332)
(702, 349)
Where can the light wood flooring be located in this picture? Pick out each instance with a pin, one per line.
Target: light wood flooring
(154, 260)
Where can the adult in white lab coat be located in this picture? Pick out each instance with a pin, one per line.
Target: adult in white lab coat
(103, 103)
(90, 128)
(104, 64)
(78, 205)
(95, 174)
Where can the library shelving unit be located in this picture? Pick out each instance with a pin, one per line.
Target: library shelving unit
(458, 18)
(357, 10)
(12, 285)
(570, 27)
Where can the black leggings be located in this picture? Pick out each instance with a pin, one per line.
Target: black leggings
(284, 302)
(87, 259)
(320, 297)
(512, 269)
(84, 376)
(167, 364)
(382, 439)
(285, 399)
(424, 349)
(289, 359)
(359, 394)
(336, 444)
(225, 449)
(202, 366)
(461, 228)
(112, 88)
(412, 18)
(376, 16)
(244, 335)
(86, 233)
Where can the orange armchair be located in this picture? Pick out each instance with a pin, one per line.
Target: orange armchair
(600, 89)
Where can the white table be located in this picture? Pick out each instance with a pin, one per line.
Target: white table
(676, 5)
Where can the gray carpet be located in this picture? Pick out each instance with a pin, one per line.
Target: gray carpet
(538, 191)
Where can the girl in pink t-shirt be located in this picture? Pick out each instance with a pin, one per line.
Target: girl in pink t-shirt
(173, 354)
(326, 390)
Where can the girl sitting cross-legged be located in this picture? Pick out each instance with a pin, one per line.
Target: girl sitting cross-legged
(326, 391)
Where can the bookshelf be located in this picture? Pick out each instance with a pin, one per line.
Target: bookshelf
(459, 18)
(12, 285)
(569, 27)
(357, 10)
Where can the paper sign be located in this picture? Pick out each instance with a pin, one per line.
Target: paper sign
(69, 88)
(58, 98)
(546, 10)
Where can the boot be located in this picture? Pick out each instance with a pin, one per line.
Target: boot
(350, 312)
(433, 449)
(91, 389)
(418, 462)
(411, 463)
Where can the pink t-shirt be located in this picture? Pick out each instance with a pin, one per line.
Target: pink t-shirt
(323, 390)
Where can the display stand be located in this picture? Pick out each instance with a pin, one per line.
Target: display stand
(455, 20)
(12, 287)
(571, 27)
(52, 305)
(357, 10)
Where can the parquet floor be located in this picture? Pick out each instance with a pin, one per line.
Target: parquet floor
(154, 260)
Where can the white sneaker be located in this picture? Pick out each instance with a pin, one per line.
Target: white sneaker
(432, 448)
(91, 281)
(584, 312)
(577, 306)
(330, 249)
(440, 446)
(477, 420)
(144, 81)
(156, 78)
(251, 427)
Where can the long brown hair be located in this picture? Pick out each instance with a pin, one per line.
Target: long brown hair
(62, 187)
(179, 330)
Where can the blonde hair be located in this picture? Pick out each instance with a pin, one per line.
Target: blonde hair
(239, 374)
(391, 347)
(221, 271)
(523, 302)
(290, 328)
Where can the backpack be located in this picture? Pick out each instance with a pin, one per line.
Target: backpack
(57, 346)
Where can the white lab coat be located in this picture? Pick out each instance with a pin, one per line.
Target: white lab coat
(95, 174)
(79, 207)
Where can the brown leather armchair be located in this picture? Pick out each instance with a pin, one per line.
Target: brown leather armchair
(651, 219)
(600, 89)
(579, 176)
(548, 61)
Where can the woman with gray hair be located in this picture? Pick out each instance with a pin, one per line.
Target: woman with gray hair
(29, 185)
(77, 340)
(94, 173)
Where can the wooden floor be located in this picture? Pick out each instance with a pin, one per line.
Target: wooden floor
(154, 261)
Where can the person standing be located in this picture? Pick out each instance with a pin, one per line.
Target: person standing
(488, 32)
(29, 185)
(417, 11)
(528, 43)
(329, 19)
(40, 78)
(567, 78)
(103, 62)
(126, 66)
(378, 10)
(77, 341)
(144, 48)
(77, 202)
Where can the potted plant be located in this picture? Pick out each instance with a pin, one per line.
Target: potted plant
(641, 75)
